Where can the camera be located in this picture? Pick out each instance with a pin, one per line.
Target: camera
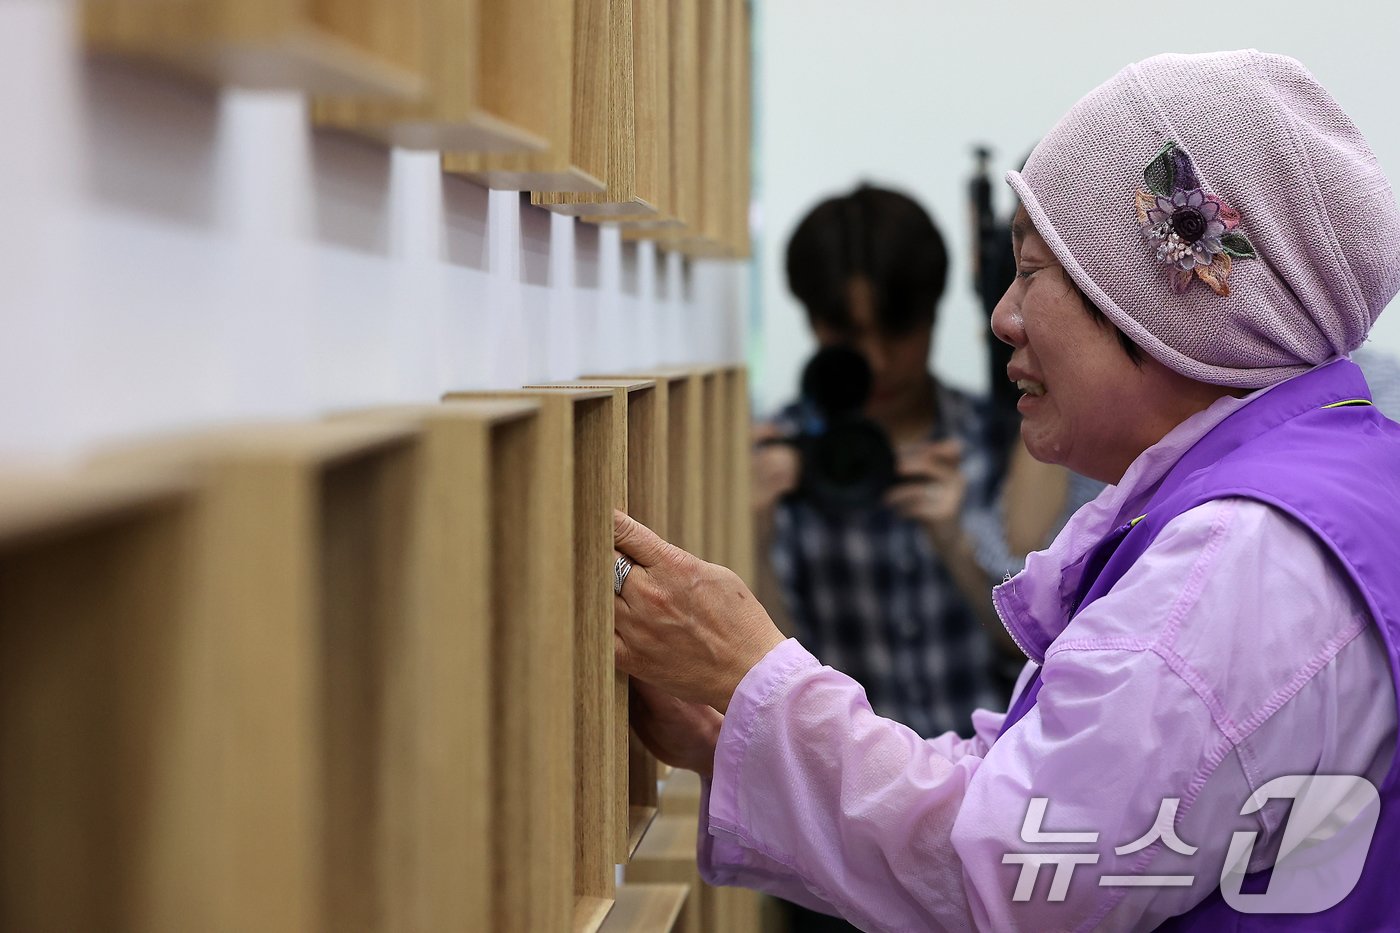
(847, 460)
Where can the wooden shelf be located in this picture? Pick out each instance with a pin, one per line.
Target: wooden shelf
(741, 128)
(639, 821)
(710, 115)
(644, 403)
(91, 677)
(632, 120)
(590, 913)
(667, 856)
(577, 157)
(684, 453)
(462, 758)
(35, 506)
(498, 77)
(647, 908)
(584, 452)
(370, 47)
(680, 796)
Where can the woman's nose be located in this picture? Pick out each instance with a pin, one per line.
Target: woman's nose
(1007, 324)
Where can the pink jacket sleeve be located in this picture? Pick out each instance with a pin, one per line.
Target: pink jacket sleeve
(816, 799)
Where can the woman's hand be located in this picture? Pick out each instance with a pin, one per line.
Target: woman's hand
(680, 733)
(933, 487)
(690, 628)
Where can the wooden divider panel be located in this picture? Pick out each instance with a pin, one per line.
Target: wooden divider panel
(741, 130)
(457, 625)
(684, 453)
(648, 908)
(634, 184)
(93, 670)
(645, 406)
(372, 47)
(583, 457)
(498, 78)
(579, 160)
(654, 130)
(667, 856)
(715, 421)
(715, 141)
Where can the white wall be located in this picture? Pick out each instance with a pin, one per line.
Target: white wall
(173, 257)
(898, 91)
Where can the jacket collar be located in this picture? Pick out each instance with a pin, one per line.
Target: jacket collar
(1036, 603)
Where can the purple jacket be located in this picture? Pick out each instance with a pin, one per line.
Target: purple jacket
(1231, 649)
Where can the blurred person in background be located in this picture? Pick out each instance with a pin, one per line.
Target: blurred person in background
(890, 593)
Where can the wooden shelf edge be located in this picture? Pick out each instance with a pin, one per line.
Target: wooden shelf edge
(38, 505)
(646, 908)
(570, 179)
(477, 132)
(597, 210)
(590, 913)
(313, 62)
(639, 820)
(631, 385)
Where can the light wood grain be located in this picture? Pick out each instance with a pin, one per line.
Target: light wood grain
(91, 608)
(684, 456)
(371, 47)
(715, 465)
(498, 78)
(576, 161)
(647, 908)
(587, 449)
(680, 795)
(667, 856)
(741, 147)
(637, 427)
(440, 857)
(685, 110)
(634, 184)
(715, 139)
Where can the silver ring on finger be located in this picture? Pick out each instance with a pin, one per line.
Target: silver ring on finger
(620, 571)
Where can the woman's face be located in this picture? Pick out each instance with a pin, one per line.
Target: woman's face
(1086, 404)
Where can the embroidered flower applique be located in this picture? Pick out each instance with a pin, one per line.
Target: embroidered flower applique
(1195, 233)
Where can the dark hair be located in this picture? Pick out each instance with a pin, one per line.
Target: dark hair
(882, 236)
(1133, 350)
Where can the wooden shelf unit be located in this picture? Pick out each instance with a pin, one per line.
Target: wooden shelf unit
(584, 455)
(369, 47)
(684, 453)
(643, 404)
(498, 77)
(92, 567)
(648, 908)
(632, 119)
(491, 762)
(576, 160)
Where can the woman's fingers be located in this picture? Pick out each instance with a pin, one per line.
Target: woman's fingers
(641, 545)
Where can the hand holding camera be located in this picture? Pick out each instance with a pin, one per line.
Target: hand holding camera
(930, 487)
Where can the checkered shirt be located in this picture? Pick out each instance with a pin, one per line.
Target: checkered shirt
(869, 596)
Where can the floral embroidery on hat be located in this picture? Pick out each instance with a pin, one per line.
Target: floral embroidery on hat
(1195, 233)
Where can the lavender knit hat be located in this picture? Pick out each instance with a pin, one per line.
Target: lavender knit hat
(1223, 212)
